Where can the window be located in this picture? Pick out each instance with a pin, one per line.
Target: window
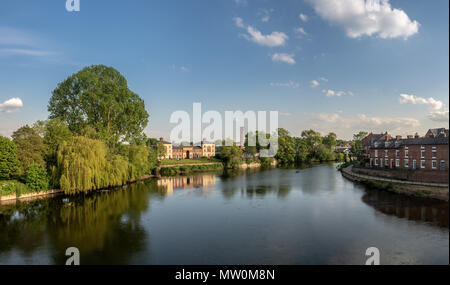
(422, 153)
(381, 162)
(376, 153)
(414, 164)
(397, 162)
(376, 161)
(433, 152)
(397, 153)
(442, 165)
(434, 164)
(406, 151)
(386, 162)
(386, 153)
(422, 163)
(406, 163)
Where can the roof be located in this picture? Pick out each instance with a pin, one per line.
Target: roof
(406, 142)
(437, 131)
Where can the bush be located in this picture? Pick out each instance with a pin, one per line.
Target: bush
(10, 187)
(36, 177)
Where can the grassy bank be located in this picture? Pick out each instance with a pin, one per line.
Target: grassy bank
(187, 161)
(184, 169)
(14, 187)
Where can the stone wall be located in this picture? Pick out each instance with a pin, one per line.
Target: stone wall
(432, 176)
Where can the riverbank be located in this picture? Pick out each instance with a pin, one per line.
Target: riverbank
(438, 191)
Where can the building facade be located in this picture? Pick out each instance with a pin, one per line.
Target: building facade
(428, 153)
(205, 149)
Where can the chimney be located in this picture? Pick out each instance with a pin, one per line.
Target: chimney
(416, 136)
(398, 137)
(442, 134)
(410, 137)
(161, 139)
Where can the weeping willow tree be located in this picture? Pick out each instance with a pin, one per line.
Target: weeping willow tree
(83, 165)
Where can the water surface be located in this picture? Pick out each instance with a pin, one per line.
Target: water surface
(277, 216)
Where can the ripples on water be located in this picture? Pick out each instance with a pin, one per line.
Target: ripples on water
(277, 216)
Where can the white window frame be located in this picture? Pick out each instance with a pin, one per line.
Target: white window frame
(386, 153)
(397, 162)
(406, 152)
(422, 164)
(376, 153)
(397, 153)
(406, 162)
(434, 164)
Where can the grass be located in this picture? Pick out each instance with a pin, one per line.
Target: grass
(188, 161)
(176, 170)
(389, 186)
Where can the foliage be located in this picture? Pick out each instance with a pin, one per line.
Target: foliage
(8, 158)
(30, 147)
(231, 156)
(56, 132)
(11, 187)
(98, 96)
(36, 177)
(139, 160)
(175, 170)
(357, 143)
(82, 166)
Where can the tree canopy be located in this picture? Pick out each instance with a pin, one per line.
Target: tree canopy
(8, 158)
(98, 96)
(30, 147)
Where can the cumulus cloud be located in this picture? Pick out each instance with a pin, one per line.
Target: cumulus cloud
(11, 105)
(347, 125)
(439, 116)
(240, 2)
(366, 17)
(283, 57)
(272, 40)
(303, 17)
(411, 99)
(290, 84)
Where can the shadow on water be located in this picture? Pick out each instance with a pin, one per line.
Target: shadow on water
(411, 208)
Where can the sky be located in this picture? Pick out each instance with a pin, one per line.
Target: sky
(331, 65)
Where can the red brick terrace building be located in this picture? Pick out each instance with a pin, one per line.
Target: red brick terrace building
(428, 154)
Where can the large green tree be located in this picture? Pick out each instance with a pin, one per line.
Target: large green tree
(357, 143)
(30, 147)
(98, 96)
(8, 159)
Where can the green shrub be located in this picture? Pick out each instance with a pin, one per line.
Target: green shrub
(36, 177)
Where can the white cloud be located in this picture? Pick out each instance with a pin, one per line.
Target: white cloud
(411, 99)
(439, 116)
(285, 114)
(283, 57)
(238, 22)
(272, 40)
(241, 2)
(290, 84)
(346, 126)
(265, 14)
(332, 93)
(303, 17)
(23, 51)
(366, 17)
(315, 83)
(300, 31)
(184, 68)
(11, 105)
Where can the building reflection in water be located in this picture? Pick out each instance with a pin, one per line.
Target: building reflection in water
(413, 209)
(168, 184)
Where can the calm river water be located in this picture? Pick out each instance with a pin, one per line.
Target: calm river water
(277, 216)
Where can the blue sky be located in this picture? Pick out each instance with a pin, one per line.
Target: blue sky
(341, 66)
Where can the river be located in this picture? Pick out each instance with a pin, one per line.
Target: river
(276, 216)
